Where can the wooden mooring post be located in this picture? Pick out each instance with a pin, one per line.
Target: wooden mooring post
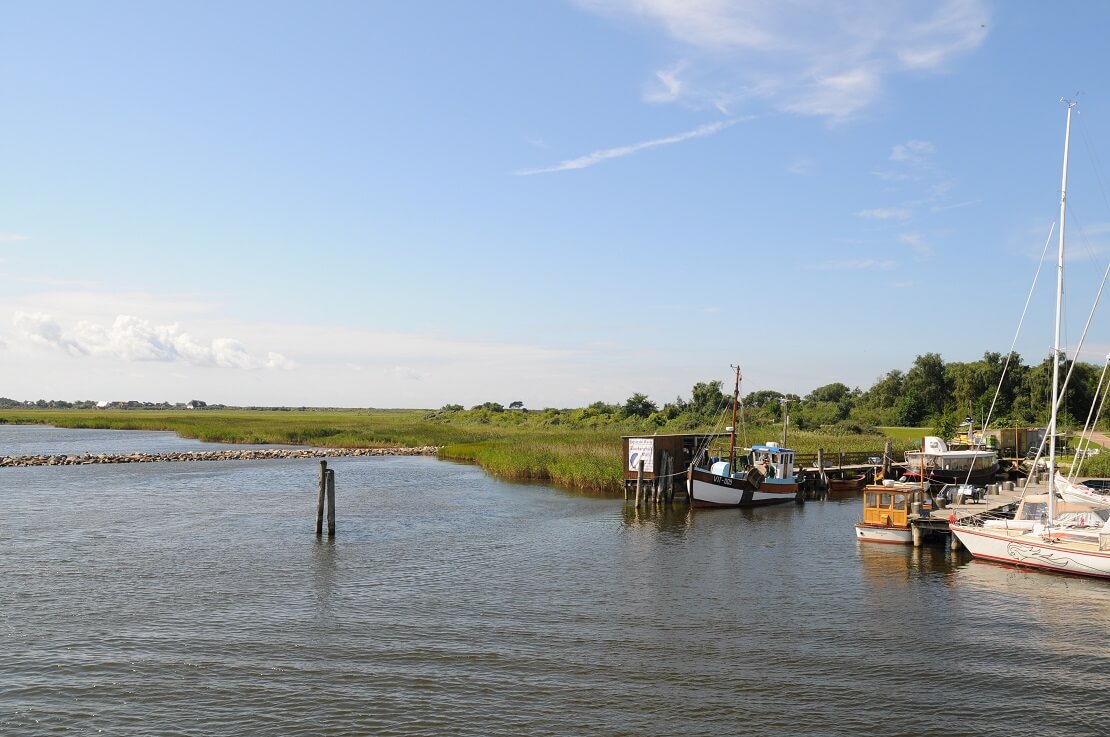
(325, 498)
(639, 481)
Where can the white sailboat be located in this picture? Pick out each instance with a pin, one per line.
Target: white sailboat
(1052, 535)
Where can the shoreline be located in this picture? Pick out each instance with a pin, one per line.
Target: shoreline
(89, 459)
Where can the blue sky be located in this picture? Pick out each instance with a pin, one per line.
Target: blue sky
(557, 202)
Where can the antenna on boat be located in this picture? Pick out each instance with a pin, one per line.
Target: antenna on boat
(785, 417)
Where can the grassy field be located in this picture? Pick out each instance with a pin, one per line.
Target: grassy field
(519, 448)
(906, 434)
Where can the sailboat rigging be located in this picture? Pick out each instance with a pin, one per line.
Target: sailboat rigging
(1050, 533)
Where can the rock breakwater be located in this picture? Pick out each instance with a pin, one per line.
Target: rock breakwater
(86, 459)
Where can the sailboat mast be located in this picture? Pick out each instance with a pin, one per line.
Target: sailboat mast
(1056, 338)
(732, 434)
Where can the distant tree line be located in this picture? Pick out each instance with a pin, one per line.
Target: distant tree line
(8, 403)
(931, 393)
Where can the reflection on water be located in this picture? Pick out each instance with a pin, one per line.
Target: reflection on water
(171, 599)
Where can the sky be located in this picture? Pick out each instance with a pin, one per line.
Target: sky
(413, 204)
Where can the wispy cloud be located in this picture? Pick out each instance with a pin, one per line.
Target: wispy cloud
(802, 167)
(810, 58)
(131, 339)
(913, 151)
(886, 213)
(956, 206)
(12, 237)
(917, 242)
(409, 374)
(853, 265)
(667, 85)
(597, 157)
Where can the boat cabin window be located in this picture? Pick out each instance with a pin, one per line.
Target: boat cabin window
(885, 508)
(1033, 510)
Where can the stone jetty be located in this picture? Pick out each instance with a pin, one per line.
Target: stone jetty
(87, 459)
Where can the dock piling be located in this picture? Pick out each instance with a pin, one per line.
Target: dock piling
(320, 497)
(331, 503)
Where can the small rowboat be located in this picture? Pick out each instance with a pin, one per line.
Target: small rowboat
(847, 485)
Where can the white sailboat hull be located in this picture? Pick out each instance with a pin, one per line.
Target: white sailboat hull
(1031, 550)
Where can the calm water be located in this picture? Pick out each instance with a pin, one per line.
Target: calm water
(193, 599)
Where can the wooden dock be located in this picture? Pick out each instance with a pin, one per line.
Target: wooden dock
(935, 522)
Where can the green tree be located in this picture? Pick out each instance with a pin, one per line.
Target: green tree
(926, 380)
(638, 405)
(707, 400)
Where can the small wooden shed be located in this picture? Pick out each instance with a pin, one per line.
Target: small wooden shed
(665, 458)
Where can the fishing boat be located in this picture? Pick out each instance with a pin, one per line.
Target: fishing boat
(764, 476)
(941, 464)
(1051, 535)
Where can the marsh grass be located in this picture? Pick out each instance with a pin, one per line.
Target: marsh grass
(582, 458)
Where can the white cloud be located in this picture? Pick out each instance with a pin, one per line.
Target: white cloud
(614, 153)
(133, 339)
(836, 96)
(12, 237)
(41, 329)
(886, 213)
(809, 57)
(955, 27)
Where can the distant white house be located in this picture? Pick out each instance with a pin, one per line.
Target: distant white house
(102, 405)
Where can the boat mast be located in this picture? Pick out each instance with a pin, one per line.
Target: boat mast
(732, 430)
(1056, 337)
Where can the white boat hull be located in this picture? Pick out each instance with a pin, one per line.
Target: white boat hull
(1022, 548)
(888, 535)
(706, 494)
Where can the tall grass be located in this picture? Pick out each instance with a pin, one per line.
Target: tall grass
(587, 460)
(583, 458)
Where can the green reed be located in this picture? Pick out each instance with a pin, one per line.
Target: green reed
(581, 458)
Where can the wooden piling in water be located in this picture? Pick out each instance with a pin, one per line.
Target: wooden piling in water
(320, 497)
(639, 481)
(822, 480)
(331, 503)
(668, 489)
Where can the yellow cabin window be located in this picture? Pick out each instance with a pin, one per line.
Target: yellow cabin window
(872, 498)
(884, 499)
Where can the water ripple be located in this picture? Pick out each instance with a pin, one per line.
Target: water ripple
(157, 600)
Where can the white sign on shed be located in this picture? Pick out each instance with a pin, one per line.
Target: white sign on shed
(641, 449)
